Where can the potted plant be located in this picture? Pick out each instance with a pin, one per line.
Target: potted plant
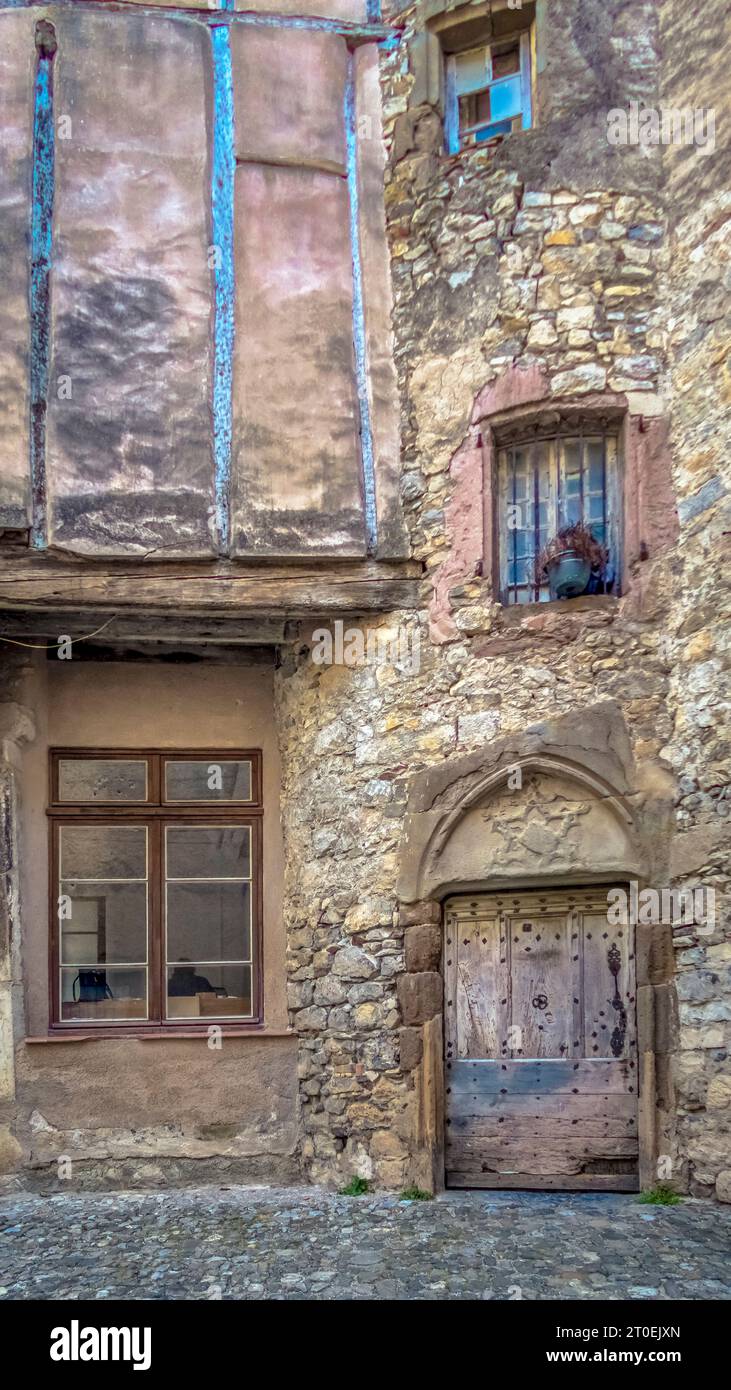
(570, 559)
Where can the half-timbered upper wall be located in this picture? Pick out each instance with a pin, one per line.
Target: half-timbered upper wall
(195, 349)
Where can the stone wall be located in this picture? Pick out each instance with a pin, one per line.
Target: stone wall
(696, 290)
(542, 273)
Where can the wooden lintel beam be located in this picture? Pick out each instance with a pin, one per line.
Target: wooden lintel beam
(299, 591)
(139, 630)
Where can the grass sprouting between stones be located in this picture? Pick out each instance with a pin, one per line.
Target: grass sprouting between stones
(659, 1197)
(357, 1187)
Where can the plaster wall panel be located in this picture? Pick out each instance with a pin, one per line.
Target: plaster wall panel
(129, 455)
(17, 69)
(378, 307)
(296, 465)
(353, 11)
(289, 93)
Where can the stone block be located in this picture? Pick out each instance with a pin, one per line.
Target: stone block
(310, 1020)
(723, 1186)
(427, 68)
(662, 955)
(385, 1144)
(719, 1093)
(646, 1018)
(413, 914)
(410, 1048)
(330, 991)
(666, 1018)
(350, 963)
(420, 996)
(423, 947)
(11, 1153)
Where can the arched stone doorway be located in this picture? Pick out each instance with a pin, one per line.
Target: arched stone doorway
(537, 826)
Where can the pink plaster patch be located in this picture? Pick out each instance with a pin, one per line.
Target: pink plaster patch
(463, 514)
(463, 525)
(516, 386)
(658, 512)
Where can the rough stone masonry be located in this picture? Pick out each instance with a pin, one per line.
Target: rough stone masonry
(555, 273)
(552, 269)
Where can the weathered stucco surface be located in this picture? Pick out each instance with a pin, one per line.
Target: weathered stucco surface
(139, 281)
(294, 389)
(152, 1110)
(129, 450)
(17, 73)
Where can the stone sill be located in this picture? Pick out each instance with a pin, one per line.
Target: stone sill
(155, 1035)
(514, 613)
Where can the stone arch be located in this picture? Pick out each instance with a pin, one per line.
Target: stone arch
(567, 786)
(554, 779)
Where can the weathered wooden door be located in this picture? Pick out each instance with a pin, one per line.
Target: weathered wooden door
(541, 1064)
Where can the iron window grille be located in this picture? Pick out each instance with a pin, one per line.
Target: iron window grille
(548, 483)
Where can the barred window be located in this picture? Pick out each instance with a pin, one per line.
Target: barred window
(546, 485)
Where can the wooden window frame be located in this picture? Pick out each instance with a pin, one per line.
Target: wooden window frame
(611, 431)
(452, 133)
(155, 814)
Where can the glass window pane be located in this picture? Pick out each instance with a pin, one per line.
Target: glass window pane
(109, 995)
(505, 99)
(211, 851)
(103, 851)
(471, 71)
(594, 455)
(103, 922)
(506, 63)
(206, 990)
(571, 458)
(210, 921)
(102, 779)
(211, 780)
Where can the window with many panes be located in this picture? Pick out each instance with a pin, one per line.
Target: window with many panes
(488, 92)
(156, 888)
(547, 483)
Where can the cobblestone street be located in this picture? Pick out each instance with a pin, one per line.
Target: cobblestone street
(256, 1243)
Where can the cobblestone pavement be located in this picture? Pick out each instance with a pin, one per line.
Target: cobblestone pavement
(306, 1243)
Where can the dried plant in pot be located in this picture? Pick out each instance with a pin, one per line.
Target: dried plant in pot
(570, 559)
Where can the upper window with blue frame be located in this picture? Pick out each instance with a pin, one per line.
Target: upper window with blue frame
(488, 92)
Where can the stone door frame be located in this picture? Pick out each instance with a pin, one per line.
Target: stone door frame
(592, 748)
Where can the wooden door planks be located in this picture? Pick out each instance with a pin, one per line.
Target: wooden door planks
(551, 970)
(542, 1182)
(524, 1076)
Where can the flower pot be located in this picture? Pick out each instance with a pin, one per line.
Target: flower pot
(568, 574)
